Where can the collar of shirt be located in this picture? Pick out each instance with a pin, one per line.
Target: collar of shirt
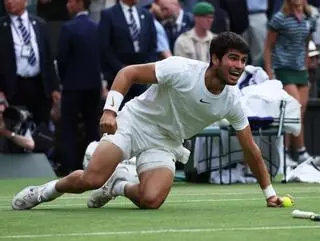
(179, 20)
(206, 38)
(126, 7)
(82, 13)
(24, 16)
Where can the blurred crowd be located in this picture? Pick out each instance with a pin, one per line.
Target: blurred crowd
(59, 58)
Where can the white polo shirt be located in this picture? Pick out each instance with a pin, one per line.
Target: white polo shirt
(181, 106)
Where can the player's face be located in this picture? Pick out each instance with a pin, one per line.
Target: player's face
(231, 67)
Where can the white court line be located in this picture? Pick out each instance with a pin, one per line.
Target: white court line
(85, 196)
(125, 202)
(153, 231)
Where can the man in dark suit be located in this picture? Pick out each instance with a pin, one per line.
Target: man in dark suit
(127, 36)
(27, 76)
(79, 68)
(176, 21)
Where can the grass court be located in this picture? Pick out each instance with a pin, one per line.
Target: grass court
(192, 212)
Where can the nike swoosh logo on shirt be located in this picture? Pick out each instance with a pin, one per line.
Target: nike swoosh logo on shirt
(203, 101)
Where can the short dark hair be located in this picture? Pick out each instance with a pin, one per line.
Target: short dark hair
(225, 41)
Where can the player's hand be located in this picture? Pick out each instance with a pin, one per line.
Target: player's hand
(108, 122)
(276, 202)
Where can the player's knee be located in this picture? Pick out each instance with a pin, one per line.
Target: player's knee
(151, 200)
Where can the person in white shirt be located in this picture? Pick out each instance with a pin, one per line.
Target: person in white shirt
(185, 96)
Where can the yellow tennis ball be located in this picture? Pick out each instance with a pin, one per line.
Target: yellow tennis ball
(287, 202)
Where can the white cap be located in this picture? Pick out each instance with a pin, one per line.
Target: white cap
(313, 51)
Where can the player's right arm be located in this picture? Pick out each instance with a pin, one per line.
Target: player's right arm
(134, 74)
(126, 77)
(168, 72)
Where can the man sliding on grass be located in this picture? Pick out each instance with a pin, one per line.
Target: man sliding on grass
(185, 97)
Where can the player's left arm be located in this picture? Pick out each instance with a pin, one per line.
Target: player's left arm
(253, 157)
(252, 154)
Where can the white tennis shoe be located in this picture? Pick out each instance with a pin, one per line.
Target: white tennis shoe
(28, 198)
(98, 198)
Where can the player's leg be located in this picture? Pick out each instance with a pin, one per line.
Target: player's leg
(153, 188)
(104, 160)
(156, 169)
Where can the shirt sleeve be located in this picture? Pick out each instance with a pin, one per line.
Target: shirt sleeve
(170, 71)
(237, 116)
(276, 21)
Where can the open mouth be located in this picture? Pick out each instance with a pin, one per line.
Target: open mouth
(234, 75)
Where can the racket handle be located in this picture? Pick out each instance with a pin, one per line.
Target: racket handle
(315, 218)
(302, 214)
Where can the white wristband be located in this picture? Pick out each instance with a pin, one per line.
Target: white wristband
(269, 191)
(113, 101)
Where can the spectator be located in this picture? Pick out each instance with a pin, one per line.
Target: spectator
(194, 43)
(163, 48)
(286, 58)
(79, 69)
(27, 76)
(257, 29)
(175, 20)
(127, 36)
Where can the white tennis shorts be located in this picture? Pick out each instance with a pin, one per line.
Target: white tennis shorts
(140, 139)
